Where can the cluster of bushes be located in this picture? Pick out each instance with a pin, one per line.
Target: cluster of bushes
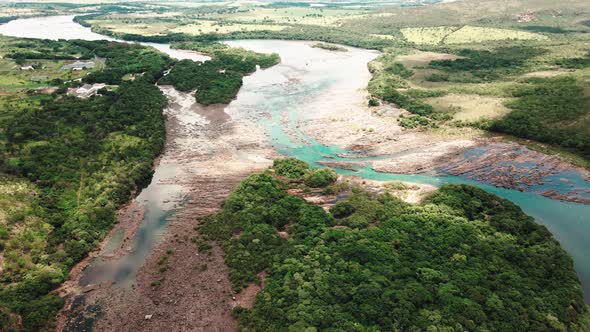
(290, 167)
(575, 63)
(488, 65)
(298, 169)
(388, 77)
(550, 110)
(218, 80)
(399, 70)
(330, 47)
(387, 74)
(85, 157)
(123, 59)
(437, 77)
(462, 260)
(415, 121)
(406, 102)
(546, 29)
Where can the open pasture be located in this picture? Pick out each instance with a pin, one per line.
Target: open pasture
(465, 35)
(206, 27)
(468, 107)
(293, 15)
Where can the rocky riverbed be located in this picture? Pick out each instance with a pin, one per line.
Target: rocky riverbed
(207, 153)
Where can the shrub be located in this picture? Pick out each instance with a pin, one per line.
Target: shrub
(320, 177)
(290, 167)
(406, 102)
(400, 70)
(342, 209)
(549, 110)
(489, 65)
(436, 77)
(374, 102)
(414, 121)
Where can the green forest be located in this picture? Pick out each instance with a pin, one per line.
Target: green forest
(463, 260)
(218, 80)
(82, 159)
(550, 110)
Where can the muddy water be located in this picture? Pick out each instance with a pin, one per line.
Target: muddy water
(276, 100)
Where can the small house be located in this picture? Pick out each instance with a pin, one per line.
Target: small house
(78, 65)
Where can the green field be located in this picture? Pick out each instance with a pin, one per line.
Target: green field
(465, 35)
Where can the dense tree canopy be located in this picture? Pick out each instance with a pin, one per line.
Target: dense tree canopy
(218, 80)
(463, 260)
(82, 158)
(489, 65)
(552, 110)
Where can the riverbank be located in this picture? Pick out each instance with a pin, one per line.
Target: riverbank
(206, 154)
(379, 142)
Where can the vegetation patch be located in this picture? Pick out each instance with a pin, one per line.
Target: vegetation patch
(464, 35)
(489, 65)
(427, 35)
(547, 29)
(208, 27)
(330, 47)
(360, 267)
(217, 81)
(67, 165)
(575, 63)
(424, 58)
(550, 110)
(294, 15)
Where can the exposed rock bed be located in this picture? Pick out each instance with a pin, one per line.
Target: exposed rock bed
(206, 154)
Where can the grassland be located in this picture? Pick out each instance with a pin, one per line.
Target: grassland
(471, 34)
(211, 20)
(427, 35)
(465, 35)
(293, 15)
(468, 107)
(480, 74)
(209, 27)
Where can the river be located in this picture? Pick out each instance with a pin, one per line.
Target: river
(276, 100)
